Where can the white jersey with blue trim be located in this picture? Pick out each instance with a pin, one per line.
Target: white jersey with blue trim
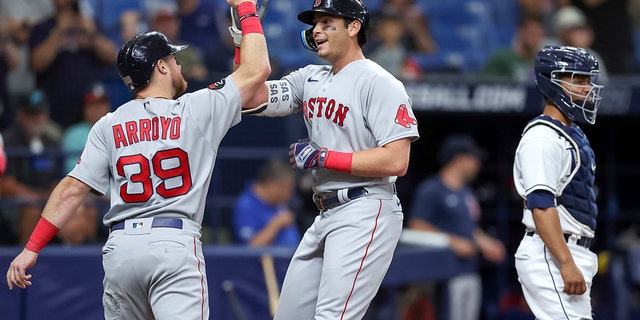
(361, 107)
(544, 160)
(153, 152)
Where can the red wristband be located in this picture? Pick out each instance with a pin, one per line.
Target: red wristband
(250, 23)
(340, 161)
(236, 57)
(42, 234)
(246, 8)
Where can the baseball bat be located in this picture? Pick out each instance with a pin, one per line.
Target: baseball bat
(227, 287)
(273, 293)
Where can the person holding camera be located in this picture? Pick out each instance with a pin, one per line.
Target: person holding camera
(68, 54)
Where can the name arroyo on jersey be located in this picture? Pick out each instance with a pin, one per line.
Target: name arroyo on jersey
(146, 130)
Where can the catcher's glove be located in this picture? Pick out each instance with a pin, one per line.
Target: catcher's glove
(235, 29)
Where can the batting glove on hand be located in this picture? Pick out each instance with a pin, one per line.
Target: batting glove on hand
(236, 29)
(305, 154)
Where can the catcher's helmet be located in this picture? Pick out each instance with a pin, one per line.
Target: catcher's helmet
(354, 9)
(139, 55)
(551, 62)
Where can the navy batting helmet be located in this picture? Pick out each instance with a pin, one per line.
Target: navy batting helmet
(553, 61)
(139, 55)
(353, 9)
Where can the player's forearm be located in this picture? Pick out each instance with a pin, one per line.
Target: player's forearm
(389, 160)
(64, 201)
(548, 227)
(254, 59)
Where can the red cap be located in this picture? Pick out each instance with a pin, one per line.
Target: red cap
(96, 95)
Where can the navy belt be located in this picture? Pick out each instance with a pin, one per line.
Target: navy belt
(330, 200)
(583, 241)
(157, 223)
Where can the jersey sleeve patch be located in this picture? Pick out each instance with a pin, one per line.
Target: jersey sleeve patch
(218, 84)
(404, 118)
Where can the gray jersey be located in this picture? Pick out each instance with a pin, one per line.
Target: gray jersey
(361, 107)
(153, 152)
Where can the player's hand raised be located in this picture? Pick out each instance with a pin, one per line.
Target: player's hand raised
(16, 275)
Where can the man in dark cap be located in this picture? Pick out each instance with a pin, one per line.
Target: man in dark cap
(446, 203)
(33, 165)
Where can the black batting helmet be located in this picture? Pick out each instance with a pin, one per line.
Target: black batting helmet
(139, 55)
(354, 9)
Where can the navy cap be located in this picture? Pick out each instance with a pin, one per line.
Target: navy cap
(36, 102)
(459, 144)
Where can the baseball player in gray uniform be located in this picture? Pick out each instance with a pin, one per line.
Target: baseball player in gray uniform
(554, 173)
(154, 155)
(360, 127)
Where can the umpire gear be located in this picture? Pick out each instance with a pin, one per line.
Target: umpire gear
(139, 55)
(351, 9)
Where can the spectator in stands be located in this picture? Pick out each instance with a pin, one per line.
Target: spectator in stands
(7, 236)
(9, 59)
(193, 67)
(137, 14)
(611, 23)
(201, 25)
(391, 53)
(85, 224)
(261, 215)
(573, 30)
(33, 167)
(68, 55)
(417, 37)
(516, 63)
(96, 105)
(543, 8)
(446, 203)
(20, 17)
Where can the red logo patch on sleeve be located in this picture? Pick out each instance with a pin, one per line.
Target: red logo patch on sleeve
(217, 85)
(403, 118)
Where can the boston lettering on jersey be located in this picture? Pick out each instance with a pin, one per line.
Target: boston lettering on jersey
(146, 130)
(321, 107)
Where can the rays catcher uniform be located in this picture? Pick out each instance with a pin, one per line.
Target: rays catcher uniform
(555, 167)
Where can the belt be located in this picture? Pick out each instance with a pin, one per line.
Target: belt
(583, 241)
(326, 201)
(157, 223)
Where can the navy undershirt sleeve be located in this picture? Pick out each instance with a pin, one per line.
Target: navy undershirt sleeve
(540, 199)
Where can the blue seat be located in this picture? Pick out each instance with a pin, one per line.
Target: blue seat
(463, 31)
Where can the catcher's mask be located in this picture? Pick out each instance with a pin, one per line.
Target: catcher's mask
(350, 9)
(553, 61)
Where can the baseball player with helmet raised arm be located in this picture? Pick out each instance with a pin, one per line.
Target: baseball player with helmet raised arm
(360, 127)
(156, 153)
(554, 173)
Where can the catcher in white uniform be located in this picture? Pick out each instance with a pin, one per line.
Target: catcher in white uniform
(554, 172)
(360, 126)
(156, 153)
